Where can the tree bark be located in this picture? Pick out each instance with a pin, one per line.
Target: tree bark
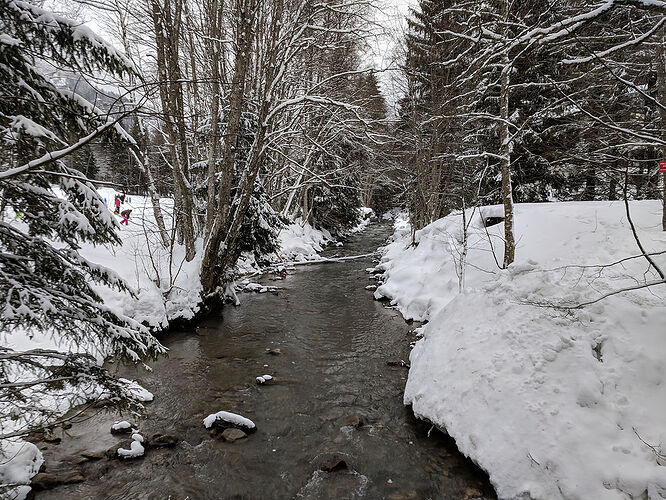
(213, 138)
(166, 23)
(505, 153)
(219, 226)
(661, 91)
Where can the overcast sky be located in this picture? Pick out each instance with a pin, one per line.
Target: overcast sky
(389, 16)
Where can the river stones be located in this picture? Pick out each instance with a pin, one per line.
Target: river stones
(356, 421)
(471, 493)
(51, 437)
(332, 463)
(92, 455)
(232, 435)
(122, 427)
(46, 481)
(159, 440)
(113, 451)
(224, 419)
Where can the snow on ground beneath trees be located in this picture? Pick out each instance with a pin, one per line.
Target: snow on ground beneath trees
(300, 241)
(552, 403)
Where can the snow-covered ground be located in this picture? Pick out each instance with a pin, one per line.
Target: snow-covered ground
(553, 403)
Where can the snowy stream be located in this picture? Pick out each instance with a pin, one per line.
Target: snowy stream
(334, 344)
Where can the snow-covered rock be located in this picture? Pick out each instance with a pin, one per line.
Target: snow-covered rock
(136, 450)
(122, 426)
(228, 418)
(552, 403)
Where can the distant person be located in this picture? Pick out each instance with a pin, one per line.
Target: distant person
(117, 205)
(122, 198)
(125, 214)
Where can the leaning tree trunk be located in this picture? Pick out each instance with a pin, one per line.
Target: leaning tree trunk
(144, 167)
(210, 268)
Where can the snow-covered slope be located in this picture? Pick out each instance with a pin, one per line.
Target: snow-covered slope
(552, 403)
(299, 241)
(144, 263)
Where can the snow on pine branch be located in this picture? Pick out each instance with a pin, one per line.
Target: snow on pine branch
(83, 44)
(61, 153)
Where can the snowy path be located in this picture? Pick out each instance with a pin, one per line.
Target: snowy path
(334, 343)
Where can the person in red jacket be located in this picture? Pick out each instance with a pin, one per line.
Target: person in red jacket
(125, 216)
(117, 205)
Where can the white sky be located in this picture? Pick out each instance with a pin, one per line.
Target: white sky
(391, 16)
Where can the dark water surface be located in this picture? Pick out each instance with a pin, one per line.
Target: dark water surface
(335, 342)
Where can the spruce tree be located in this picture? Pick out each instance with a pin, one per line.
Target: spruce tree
(48, 210)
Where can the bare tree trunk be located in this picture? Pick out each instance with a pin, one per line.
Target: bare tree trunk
(661, 90)
(255, 159)
(590, 192)
(218, 228)
(166, 23)
(505, 153)
(213, 138)
(144, 166)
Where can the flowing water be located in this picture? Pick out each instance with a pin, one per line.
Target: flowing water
(334, 343)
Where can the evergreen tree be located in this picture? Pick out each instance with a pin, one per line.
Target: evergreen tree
(48, 210)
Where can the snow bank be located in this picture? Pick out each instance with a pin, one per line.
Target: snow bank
(366, 216)
(553, 404)
(167, 287)
(299, 242)
(19, 461)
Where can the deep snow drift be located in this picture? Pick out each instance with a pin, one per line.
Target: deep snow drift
(552, 403)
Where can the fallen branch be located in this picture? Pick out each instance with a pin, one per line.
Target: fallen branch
(326, 260)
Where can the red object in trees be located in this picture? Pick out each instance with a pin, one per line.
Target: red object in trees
(662, 166)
